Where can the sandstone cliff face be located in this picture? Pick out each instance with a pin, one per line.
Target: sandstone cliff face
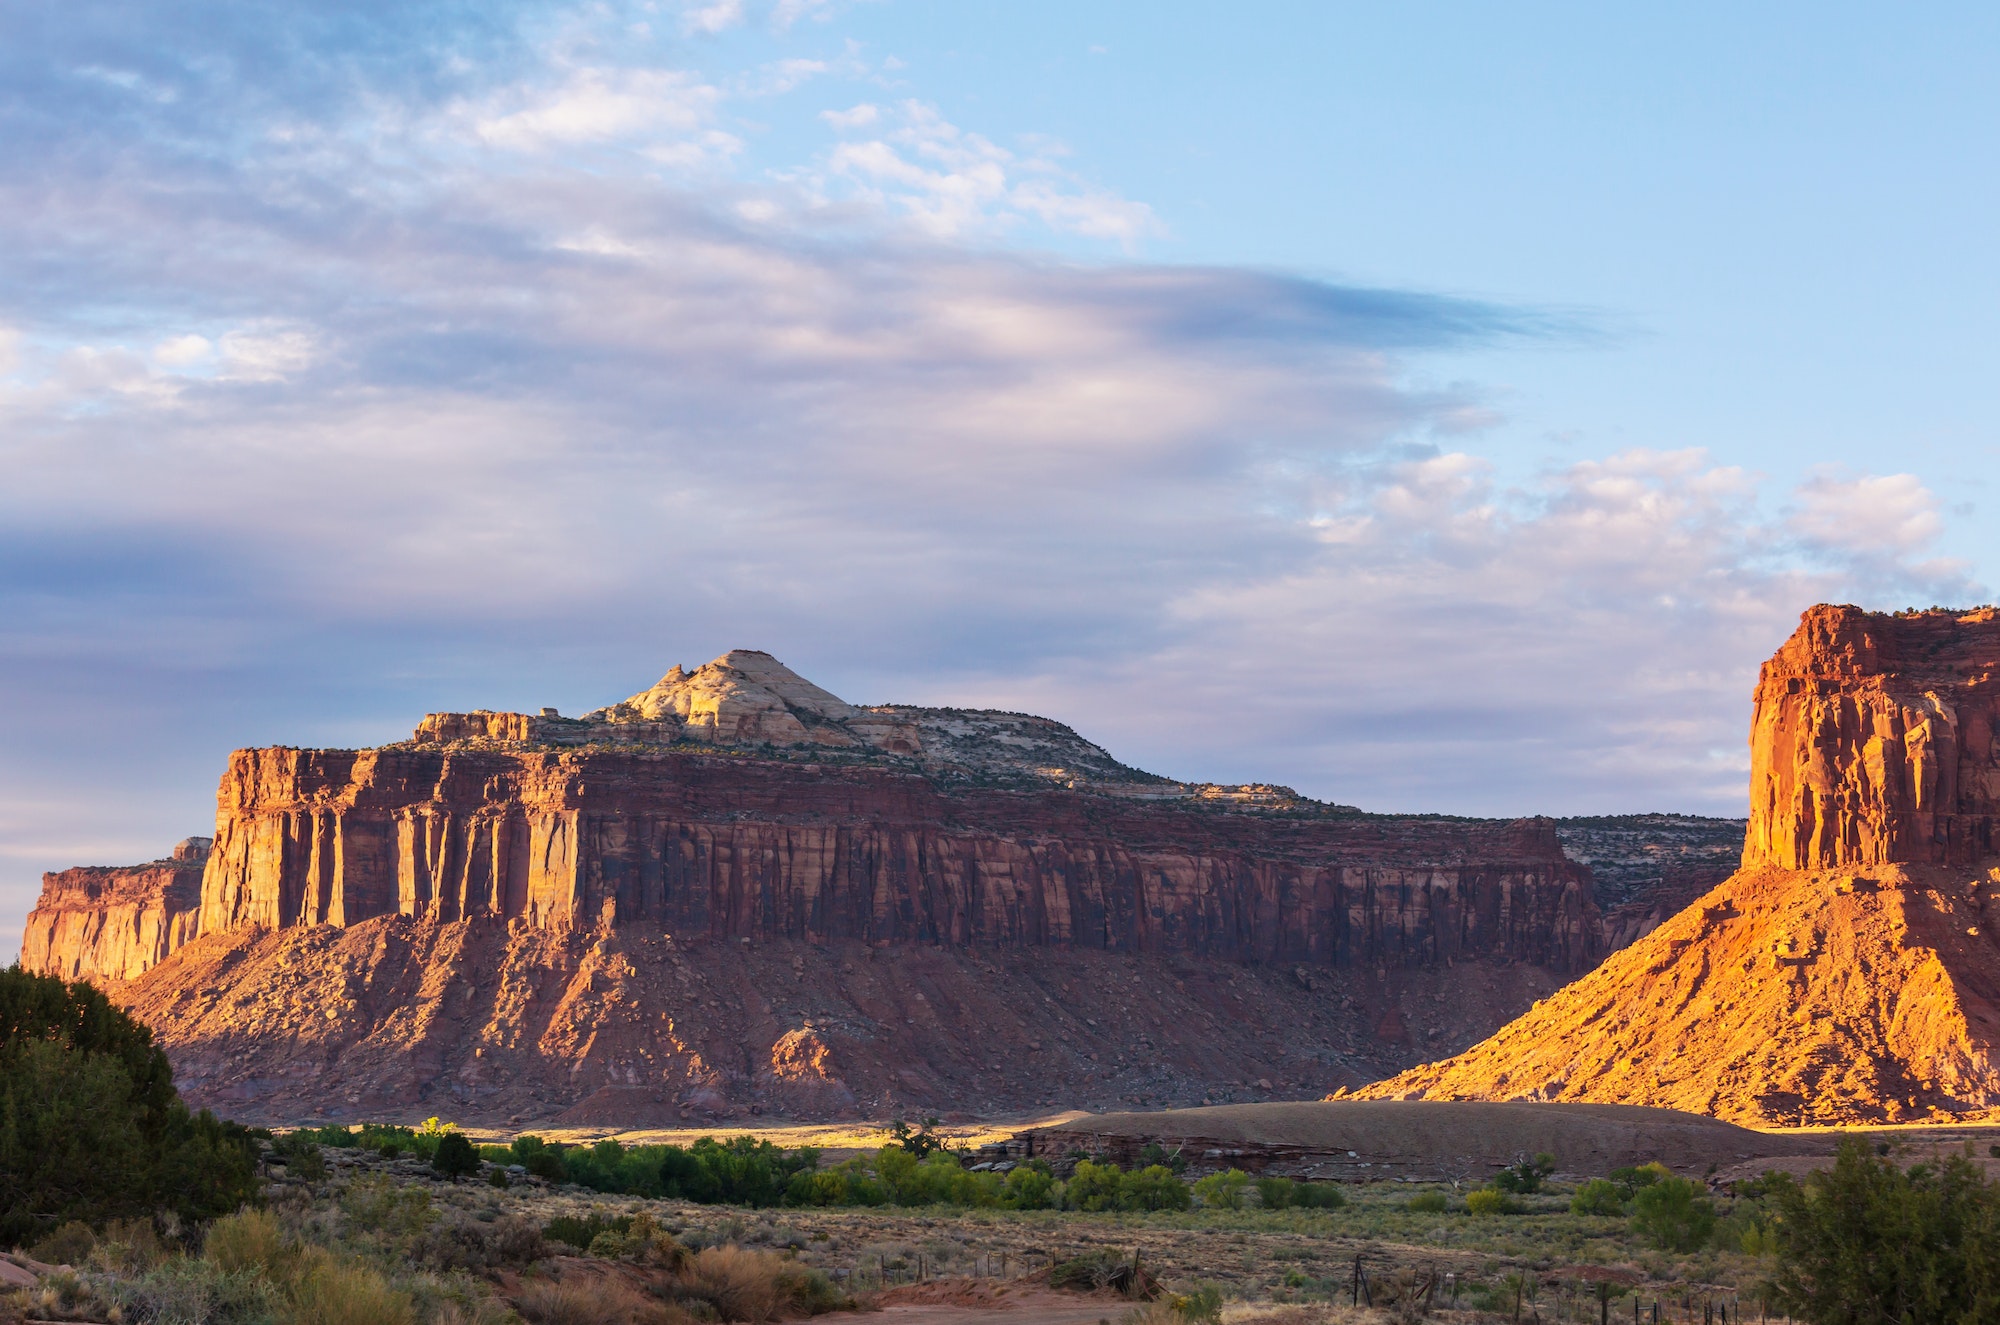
(695, 844)
(111, 923)
(1873, 741)
(1850, 972)
(736, 891)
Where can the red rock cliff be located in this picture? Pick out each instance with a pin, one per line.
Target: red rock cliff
(111, 923)
(1873, 741)
(1850, 971)
(700, 844)
(736, 892)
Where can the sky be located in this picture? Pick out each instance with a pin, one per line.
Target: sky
(1431, 407)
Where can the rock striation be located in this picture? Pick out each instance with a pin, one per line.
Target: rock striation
(113, 922)
(734, 890)
(1873, 742)
(1849, 972)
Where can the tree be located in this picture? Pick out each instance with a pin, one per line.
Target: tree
(1222, 1191)
(920, 1142)
(1674, 1213)
(1866, 1243)
(90, 1126)
(1526, 1176)
(455, 1156)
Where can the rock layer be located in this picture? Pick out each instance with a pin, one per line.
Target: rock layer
(699, 844)
(1850, 972)
(1873, 742)
(114, 922)
(531, 914)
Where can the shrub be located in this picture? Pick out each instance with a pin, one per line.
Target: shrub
(1223, 1191)
(375, 1204)
(336, 1292)
(1428, 1203)
(1155, 1188)
(1029, 1187)
(1277, 1193)
(1489, 1201)
(1629, 1181)
(1865, 1241)
(921, 1142)
(1599, 1196)
(599, 1302)
(299, 1152)
(1526, 1176)
(736, 1284)
(1202, 1305)
(471, 1244)
(244, 1243)
(90, 1126)
(582, 1233)
(1674, 1214)
(455, 1157)
(184, 1288)
(69, 1245)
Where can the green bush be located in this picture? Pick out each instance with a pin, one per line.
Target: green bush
(454, 1156)
(1489, 1201)
(1629, 1181)
(1029, 1187)
(1222, 1191)
(580, 1233)
(921, 1142)
(1599, 1196)
(1429, 1203)
(1867, 1242)
(299, 1152)
(1674, 1214)
(90, 1127)
(1526, 1176)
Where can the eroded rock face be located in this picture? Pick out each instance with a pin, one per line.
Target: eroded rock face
(530, 914)
(728, 847)
(1873, 742)
(113, 922)
(1850, 971)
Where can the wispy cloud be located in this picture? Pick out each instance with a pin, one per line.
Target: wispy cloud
(955, 184)
(419, 359)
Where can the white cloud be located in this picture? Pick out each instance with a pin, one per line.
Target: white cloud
(666, 114)
(1879, 513)
(709, 19)
(267, 354)
(788, 12)
(954, 183)
(183, 351)
(857, 117)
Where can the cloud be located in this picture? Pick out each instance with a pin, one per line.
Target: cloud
(955, 184)
(669, 112)
(182, 351)
(857, 117)
(483, 407)
(709, 19)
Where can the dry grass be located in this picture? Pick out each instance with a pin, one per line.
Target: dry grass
(335, 1292)
(250, 1240)
(593, 1302)
(741, 1285)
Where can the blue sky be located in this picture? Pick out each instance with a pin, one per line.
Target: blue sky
(1429, 406)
